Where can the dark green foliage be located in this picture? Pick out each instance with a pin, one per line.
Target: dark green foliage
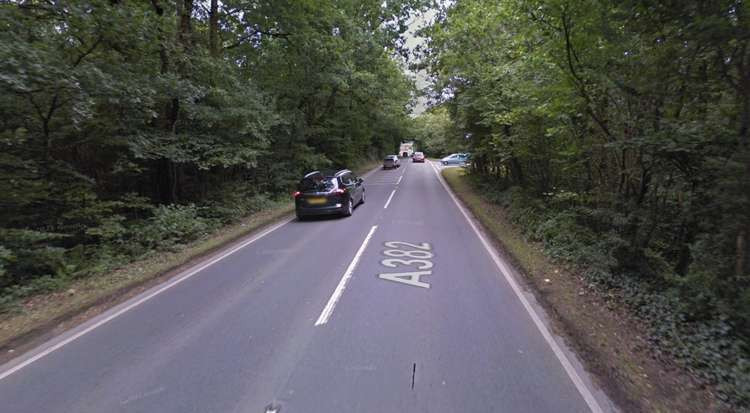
(133, 127)
(172, 224)
(618, 134)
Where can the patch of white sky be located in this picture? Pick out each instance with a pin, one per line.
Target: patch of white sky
(412, 41)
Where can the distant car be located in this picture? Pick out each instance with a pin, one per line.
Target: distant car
(455, 159)
(327, 193)
(418, 157)
(391, 161)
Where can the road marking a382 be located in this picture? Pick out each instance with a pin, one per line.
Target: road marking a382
(415, 256)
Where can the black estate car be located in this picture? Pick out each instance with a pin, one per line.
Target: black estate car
(328, 192)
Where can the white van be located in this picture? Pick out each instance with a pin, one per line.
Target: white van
(406, 150)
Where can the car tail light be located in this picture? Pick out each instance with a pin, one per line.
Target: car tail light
(297, 193)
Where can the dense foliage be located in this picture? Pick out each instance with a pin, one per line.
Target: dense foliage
(130, 126)
(617, 132)
(434, 131)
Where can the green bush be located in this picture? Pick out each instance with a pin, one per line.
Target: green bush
(234, 202)
(6, 257)
(30, 254)
(173, 224)
(10, 296)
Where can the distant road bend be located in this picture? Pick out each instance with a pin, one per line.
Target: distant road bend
(402, 307)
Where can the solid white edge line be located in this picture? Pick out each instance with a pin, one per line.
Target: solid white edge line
(139, 301)
(389, 199)
(588, 397)
(328, 309)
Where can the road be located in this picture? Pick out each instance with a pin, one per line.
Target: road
(309, 317)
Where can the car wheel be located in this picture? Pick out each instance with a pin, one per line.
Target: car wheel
(349, 208)
(300, 217)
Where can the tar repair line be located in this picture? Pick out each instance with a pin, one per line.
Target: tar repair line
(139, 301)
(328, 309)
(567, 366)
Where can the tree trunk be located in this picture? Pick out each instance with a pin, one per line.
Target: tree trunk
(741, 250)
(184, 22)
(213, 29)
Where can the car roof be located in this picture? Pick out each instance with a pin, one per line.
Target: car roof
(328, 173)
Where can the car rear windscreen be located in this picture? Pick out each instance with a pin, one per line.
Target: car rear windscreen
(317, 183)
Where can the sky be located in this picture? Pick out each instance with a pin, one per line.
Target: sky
(411, 42)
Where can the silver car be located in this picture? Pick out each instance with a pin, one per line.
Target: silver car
(455, 159)
(391, 161)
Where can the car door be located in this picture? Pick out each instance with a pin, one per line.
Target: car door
(358, 187)
(351, 187)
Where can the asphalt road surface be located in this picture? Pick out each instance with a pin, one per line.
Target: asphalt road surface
(399, 308)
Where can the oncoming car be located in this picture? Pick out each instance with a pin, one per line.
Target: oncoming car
(391, 161)
(328, 193)
(418, 157)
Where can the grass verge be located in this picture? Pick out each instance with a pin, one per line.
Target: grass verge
(597, 325)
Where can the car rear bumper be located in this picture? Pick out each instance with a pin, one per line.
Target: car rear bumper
(321, 210)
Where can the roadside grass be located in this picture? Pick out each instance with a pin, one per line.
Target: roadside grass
(71, 302)
(596, 324)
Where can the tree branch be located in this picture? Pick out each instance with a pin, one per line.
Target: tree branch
(578, 79)
(256, 32)
(88, 51)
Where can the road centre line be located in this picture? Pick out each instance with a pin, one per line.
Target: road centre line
(138, 301)
(389, 199)
(399, 179)
(331, 305)
(588, 397)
